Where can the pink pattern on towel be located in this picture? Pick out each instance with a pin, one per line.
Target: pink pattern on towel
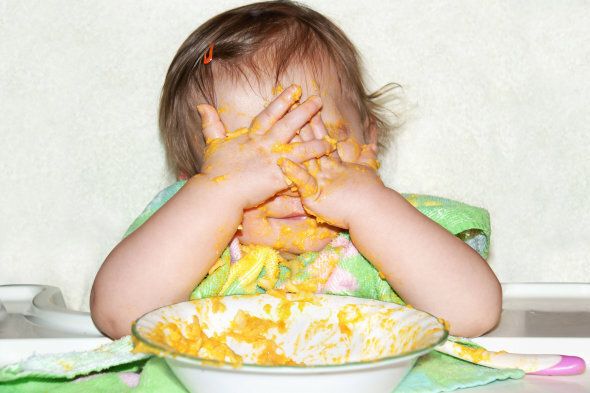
(341, 280)
(129, 379)
(344, 246)
(235, 253)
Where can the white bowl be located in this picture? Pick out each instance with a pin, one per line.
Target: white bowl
(341, 344)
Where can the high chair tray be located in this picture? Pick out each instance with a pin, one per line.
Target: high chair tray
(39, 311)
(13, 350)
(537, 318)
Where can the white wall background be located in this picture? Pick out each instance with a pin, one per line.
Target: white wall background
(499, 91)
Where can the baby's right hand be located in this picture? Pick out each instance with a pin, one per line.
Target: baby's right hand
(246, 160)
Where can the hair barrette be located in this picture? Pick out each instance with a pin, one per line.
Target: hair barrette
(209, 55)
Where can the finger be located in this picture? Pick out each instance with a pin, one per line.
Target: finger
(210, 123)
(285, 129)
(320, 131)
(326, 162)
(307, 133)
(275, 110)
(334, 156)
(296, 138)
(291, 192)
(312, 166)
(348, 150)
(303, 151)
(334, 161)
(368, 157)
(318, 127)
(297, 174)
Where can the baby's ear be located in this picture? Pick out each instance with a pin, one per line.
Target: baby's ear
(372, 131)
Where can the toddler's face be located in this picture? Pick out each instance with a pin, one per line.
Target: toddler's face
(281, 222)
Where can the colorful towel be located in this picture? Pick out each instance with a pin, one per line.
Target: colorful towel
(338, 269)
(146, 375)
(62, 373)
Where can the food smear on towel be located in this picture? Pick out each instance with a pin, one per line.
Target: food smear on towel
(285, 329)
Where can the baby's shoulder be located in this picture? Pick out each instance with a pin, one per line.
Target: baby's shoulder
(157, 202)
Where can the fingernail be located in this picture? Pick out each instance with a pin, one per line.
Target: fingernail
(200, 110)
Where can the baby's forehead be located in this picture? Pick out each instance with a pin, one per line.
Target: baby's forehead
(238, 100)
(262, 88)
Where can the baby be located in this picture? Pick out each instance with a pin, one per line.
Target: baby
(288, 168)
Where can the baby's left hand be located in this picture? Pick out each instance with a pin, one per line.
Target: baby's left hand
(333, 187)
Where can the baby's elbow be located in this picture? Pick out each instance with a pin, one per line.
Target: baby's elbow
(105, 320)
(483, 315)
(477, 325)
(483, 323)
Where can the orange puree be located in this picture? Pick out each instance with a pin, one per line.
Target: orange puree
(296, 95)
(282, 148)
(348, 315)
(312, 230)
(278, 89)
(189, 338)
(476, 355)
(251, 329)
(259, 338)
(337, 130)
(217, 305)
(331, 141)
(190, 341)
(213, 145)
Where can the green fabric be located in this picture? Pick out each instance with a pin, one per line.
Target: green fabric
(437, 372)
(470, 223)
(353, 275)
(156, 203)
(156, 376)
(73, 364)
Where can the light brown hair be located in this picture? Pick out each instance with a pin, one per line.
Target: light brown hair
(284, 34)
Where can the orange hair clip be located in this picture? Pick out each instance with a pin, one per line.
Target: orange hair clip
(209, 55)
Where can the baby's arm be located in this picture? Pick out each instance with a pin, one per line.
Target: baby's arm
(428, 266)
(160, 262)
(167, 256)
(425, 264)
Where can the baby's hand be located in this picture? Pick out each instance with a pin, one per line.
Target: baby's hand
(246, 160)
(331, 188)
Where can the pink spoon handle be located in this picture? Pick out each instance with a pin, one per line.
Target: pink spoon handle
(567, 365)
(532, 364)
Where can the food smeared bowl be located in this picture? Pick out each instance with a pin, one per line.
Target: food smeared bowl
(287, 343)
